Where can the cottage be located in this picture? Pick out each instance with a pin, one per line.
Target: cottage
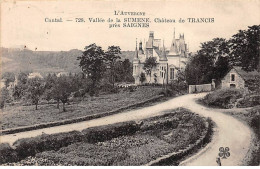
(238, 78)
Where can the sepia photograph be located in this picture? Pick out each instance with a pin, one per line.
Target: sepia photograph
(130, 83)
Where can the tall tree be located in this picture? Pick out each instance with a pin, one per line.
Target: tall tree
(149, 64)
(111, 55)
(245, 48)
(92, 63)
(210, 62)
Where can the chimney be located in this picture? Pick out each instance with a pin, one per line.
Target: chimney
(151, 34)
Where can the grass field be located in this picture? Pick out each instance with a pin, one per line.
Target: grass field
(17, 116)
(156, 137)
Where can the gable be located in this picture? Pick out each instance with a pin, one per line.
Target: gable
(227, 77)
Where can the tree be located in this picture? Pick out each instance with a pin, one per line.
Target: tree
(9, 76)
(245, 48)
(50, 81)
(123, 71)
(22, 77)
(64, 89)
(142, 77)
(149, 64)
(20, 89)
(55, 93)
(35, 90)
(48, 95)
(92, 63)
(111, 55)
(5, 97)
(210, 62)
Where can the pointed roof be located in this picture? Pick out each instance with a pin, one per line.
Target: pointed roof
(136, 58)
(141, 51)
(173, 50)
(163, 54)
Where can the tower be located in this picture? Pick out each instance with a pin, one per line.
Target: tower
(163, 66)
(173, 49)
(136, 62)
(149, 45)
(140, 51)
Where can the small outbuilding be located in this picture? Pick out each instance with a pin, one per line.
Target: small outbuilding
(238, 78)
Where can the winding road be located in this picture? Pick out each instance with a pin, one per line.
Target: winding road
(229, 132)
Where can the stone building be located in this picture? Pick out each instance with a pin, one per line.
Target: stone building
(169, 62)
(238, 78)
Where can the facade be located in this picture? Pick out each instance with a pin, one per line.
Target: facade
(237, 78)
(168, 62)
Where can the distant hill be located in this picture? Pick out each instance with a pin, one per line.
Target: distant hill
(16, 60)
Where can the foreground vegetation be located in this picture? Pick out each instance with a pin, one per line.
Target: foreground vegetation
(223, 98)
(229, 98)
(125, 143)
(17, 116)
(251, 117)
(248, 111)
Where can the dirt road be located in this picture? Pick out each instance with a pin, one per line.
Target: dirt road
(229, 131)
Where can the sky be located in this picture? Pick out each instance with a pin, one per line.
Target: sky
(23, 22)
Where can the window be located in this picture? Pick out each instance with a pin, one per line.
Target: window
(232, 77)
(171, 73)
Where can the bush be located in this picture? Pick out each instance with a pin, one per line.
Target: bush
(31, 146)
(255, 123)
(249, 101)
(223, 98)
(168, 92)
(107, 132)
(7, 154)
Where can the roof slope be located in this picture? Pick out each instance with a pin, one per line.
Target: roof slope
(246, 75)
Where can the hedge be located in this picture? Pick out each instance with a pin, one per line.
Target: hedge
(7, 153)
(108, 132)
(31, 146)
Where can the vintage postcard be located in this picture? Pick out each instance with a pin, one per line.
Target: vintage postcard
(130, 83)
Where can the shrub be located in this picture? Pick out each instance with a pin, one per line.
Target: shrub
(249, 101)
(107, 132)
(222, 98)
(7, 154)
(30, 146)
(168, 92)
(255, 123)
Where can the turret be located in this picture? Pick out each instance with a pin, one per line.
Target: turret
(140, 45)
(173, 50)
(140, 48)
(136, 58)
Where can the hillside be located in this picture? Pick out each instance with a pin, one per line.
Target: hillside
(16, 60)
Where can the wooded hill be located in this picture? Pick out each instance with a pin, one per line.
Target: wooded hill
(17, 60)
